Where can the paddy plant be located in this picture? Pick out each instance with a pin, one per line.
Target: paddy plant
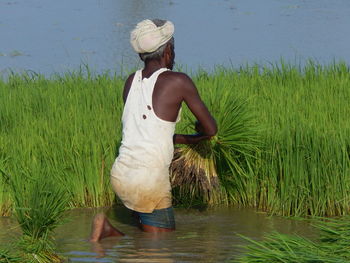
(302, 164)
(283, 143)
(5, 257)
(67, 126)
(306, 157)
(5, 202)
(209, 169)
(38, 204)
(307, 148)
(331, 247)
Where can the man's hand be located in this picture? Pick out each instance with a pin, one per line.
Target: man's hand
(192, 138)
(189, 138)
(199, 127)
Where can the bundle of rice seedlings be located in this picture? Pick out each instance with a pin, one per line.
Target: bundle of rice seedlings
(39, 204)
(215, 169)
(193, 170)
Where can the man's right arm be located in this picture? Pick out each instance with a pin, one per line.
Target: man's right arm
(207, 123)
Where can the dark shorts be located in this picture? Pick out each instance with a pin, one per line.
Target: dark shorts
(159, 218)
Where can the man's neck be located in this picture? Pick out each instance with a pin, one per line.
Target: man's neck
(151, 67)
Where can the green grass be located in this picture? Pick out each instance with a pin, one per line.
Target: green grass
(292, 157)
(67, 126)
(5, 202)
(5, 257)
(39, 204)
(303, 165)
(331, 247)
(214, 170)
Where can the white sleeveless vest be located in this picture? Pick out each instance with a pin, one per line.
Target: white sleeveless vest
(140, 173)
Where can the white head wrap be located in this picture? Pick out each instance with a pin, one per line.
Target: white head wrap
(147, 37)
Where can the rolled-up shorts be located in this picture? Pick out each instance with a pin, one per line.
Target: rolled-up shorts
(158, 218)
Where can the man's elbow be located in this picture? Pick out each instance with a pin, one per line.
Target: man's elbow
(212, 131)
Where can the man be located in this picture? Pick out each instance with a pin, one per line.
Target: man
(152, 104)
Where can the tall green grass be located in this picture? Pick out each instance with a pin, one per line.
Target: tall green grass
(68, 126)
(213, 170)
(5, 202)
(303, 165)
(306, 162)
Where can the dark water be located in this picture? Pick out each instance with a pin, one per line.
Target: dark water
(50, 36)
(201, 236)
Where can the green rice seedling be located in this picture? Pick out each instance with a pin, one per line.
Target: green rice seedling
(332, 246)
(5, 203)
(39, 205)
(6, 257)
(292, 158)
(67, 126)
(306, 164)
(335, 235)
(198, 169)
(287, 249)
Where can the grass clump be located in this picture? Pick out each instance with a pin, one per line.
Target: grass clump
(68, 126)
(209, 169)
(283, 144)
(332, 246)
(6, 257)
(39, 207)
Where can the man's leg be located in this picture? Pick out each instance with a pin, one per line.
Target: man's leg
(154, 229)
(102, 228)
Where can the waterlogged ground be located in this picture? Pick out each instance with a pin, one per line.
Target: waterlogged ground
(50, 36)
(201, 236)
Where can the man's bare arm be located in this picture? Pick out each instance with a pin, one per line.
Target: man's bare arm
(189, 138)
(200, 111)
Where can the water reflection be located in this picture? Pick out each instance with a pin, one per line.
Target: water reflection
(201, 236)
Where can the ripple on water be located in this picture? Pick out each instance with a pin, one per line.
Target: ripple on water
(201, 236)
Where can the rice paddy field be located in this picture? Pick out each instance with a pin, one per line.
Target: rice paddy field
(290, 148)
(283, 144)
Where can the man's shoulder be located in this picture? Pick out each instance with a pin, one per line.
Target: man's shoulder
(175, 77)
(175, 74)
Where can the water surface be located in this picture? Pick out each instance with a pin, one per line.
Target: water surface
(50, 36)
(201, 236)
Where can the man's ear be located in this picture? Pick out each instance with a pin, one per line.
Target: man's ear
(167, 52)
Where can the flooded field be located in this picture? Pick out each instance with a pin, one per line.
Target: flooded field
(201, 236)
(57, 36)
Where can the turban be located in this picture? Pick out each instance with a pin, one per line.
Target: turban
(147, 37)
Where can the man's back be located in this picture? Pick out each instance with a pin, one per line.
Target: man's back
(170, 90)
(141, 172)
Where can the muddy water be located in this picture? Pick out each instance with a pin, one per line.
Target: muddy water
(201, 236)
(50, 36)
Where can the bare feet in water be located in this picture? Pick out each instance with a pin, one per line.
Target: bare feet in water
(102, 228)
